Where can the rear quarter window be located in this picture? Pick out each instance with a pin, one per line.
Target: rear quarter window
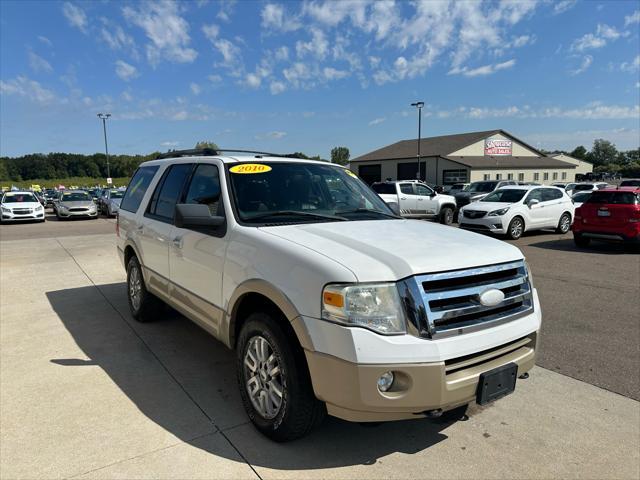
(137, 188)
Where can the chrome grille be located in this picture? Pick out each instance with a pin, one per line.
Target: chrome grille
(21, 211)
(474, 214)
(78, 209)
(448, 303)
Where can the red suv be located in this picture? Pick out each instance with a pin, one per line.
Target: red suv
(609, 214)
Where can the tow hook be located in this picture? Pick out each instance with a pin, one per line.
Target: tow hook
(437, 413)
(524, 376)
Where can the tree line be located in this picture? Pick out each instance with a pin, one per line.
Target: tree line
(605, 157)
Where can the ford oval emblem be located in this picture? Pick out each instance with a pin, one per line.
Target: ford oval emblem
(491, 297)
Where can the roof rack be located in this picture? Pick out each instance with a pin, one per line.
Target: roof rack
(209, 152)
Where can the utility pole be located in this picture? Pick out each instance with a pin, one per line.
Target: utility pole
(104, 117)
(419, 106)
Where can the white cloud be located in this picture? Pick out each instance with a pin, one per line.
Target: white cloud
(317, 46)
(333, 74)
(39, 64)
(276, 135)
(125, 71)
(624, 138)
(252, 80)
(166, 29)
(30, 89)
(377, 121)
(633, 18)
(126, 96)
(226, 9)
(297, 74)
(45, 40)
(180, 116)
(274, 18)
(115, 37)
(483, 70)
(587, 60)
(170, 144)
(211, 31)
(277, 87)
(592, 111)
(215, 78)
(563, 5)
(231, 55)
(281, 54)
(591, 41)
(523, 40)
(75, 16)
(195, 88)
(632, 66)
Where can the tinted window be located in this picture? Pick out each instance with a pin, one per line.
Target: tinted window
(551, 194)
(205, 188)
(630, 183)
(424, 191)
(406, 188)
(506, 195)
(163, 202)
(583, 187)
(384, 188)
(18, 198)
(75, 197)
(619, 198)
(137, 188)
(482, 187)
(534, 195)
(581, 197)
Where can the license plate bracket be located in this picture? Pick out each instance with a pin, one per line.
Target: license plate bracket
(604, 213)
(497, 383)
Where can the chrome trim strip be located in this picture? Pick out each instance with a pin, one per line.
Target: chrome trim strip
(469, 272)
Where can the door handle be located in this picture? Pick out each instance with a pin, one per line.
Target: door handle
(420, 199)
(403, 198)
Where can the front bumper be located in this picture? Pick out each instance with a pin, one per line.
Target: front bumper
(80, 214)
(11, 217)
(497, 225)
(351, 393)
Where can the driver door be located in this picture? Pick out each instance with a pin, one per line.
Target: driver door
(537, 214)
(426, 200)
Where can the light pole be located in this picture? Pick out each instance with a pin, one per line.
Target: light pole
(419, 106)
(103, 117)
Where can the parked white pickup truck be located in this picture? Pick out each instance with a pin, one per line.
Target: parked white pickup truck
(415, 199)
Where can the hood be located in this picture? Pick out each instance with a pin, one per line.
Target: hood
(470, 195)
(77, 203)
(389, 250)
(21, 205)
(487, 206)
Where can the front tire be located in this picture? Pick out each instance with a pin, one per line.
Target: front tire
(143, 305)
(564, 225)
(446, 216)
(274, 384)
(516, 228)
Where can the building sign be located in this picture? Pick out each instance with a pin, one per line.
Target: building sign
(497, 146)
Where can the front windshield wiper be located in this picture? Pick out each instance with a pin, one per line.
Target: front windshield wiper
(293, 213)
(368, 210)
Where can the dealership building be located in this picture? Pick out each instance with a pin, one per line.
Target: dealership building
(466, 157)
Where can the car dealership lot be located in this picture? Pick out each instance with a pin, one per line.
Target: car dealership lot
(86, 391)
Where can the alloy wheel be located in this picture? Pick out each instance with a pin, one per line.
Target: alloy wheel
(263, 377)
(135, 288)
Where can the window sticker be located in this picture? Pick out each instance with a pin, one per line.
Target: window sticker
(250, 168)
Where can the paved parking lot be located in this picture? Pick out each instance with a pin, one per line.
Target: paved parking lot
(87, 392)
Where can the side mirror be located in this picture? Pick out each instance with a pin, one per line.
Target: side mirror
(395, 208)
(196, 216)
(532, 202)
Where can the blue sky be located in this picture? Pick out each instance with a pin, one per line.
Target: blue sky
(308, 76)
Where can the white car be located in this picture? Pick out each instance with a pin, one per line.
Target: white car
(414, 199)
(514, 210)
(579, 198)
(588, 187)
(21, 206)
(331, 302)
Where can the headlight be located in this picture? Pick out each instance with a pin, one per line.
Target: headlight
(528, 269)
(374, 306)
(6, 210)
(498, 213)
(39, 208)
(62, 207)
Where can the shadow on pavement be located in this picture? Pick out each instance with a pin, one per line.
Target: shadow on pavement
(205, 369)
(595, 247)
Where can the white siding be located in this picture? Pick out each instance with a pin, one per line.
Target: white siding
(528, 174)
(477, 149)
(581, 166)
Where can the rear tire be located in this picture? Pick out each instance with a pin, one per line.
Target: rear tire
(446, 216)
(516, 228)
(564, 224)
(281, 405)
(144, 306)
(581, 241)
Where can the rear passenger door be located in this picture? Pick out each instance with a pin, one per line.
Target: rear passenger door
(196, 257)
(156, 226)
(537, 214)
(407, 198)
(554, 206)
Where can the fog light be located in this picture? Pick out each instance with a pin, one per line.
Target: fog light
(385, 381)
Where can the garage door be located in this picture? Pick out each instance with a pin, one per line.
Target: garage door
(370, 173)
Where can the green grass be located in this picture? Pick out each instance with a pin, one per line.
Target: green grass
(67, 182)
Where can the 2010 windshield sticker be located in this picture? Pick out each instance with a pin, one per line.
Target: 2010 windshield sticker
(349, 172)
(250, 168)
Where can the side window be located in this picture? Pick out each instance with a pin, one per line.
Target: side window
(407, 188)
(137, 188)
(534, 195)
(423, 191)
(205, 188)
(165, 197)
(551, 194)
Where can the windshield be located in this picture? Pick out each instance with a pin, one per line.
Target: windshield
(294, 192)
(583, 187)
(18, 198)
(581, 197)
(506, 196)
(117, 193)
(482, 187)
(460, 186)
(630, 183)
(75, 197)
(620, 198)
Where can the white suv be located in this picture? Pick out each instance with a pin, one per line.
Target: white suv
(514, 210)
(331, 302)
